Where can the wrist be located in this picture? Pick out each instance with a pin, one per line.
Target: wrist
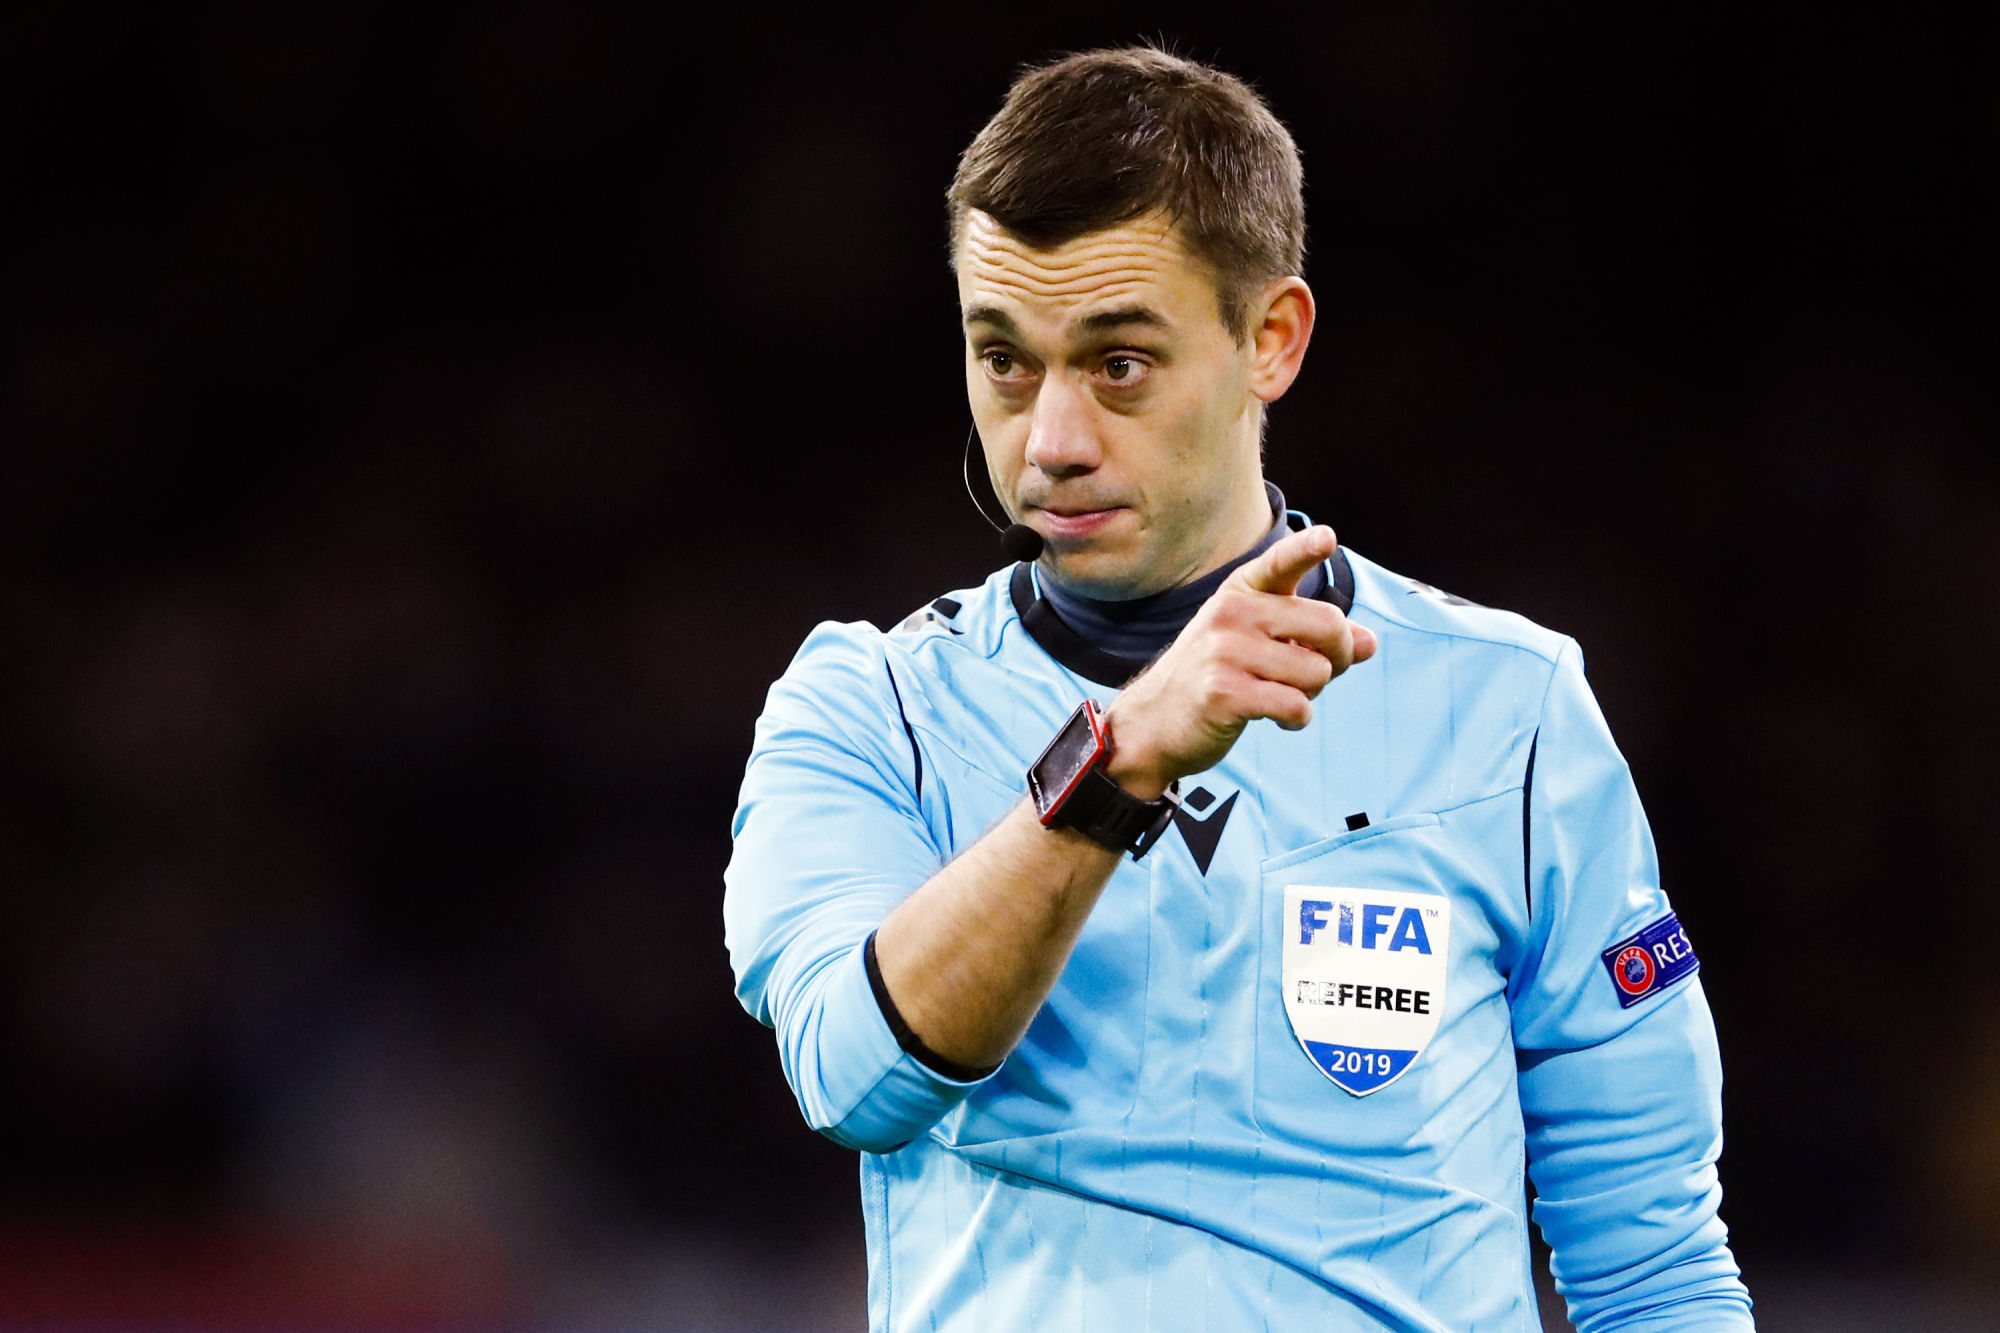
(1129, 765)
(1073, 788)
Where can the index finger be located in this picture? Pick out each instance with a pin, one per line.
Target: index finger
(1290, 557)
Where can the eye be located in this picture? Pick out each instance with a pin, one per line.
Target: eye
(1125, 371)
(1002, 364)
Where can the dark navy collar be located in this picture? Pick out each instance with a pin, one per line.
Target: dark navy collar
(1048, 613)
(1142, 627)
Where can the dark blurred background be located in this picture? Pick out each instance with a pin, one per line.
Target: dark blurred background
(430, 427)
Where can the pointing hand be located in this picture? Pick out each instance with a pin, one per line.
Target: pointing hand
(1255, 649)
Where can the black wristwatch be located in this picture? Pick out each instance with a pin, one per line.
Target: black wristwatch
(1072, 790)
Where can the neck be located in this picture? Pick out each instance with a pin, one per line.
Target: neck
(1255, 506)
(1138, 628)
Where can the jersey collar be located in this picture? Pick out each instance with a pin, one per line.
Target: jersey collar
(1093, 663)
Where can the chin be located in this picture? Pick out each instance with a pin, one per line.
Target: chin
(1105, 575)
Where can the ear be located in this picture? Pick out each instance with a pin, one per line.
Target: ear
(1281, 326)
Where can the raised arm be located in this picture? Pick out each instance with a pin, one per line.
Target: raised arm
(969, 958)
(833, 862)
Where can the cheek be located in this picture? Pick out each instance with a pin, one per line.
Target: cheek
(998, 444)
(1201, 420)
(976, 391)
(1195, 466)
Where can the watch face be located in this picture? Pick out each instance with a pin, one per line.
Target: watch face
(1068, 758)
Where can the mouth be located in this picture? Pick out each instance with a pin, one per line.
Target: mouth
(1070, 522)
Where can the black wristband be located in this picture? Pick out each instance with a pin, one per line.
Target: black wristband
(1110, 816)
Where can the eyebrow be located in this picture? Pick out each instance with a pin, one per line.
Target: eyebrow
(1121, 317)
(992, 315)
(1097, 321)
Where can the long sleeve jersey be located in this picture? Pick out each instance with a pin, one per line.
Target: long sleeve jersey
(1303, 1052)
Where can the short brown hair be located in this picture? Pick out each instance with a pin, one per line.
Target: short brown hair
(1101, 137)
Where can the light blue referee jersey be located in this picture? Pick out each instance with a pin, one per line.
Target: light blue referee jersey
(1305, 1049)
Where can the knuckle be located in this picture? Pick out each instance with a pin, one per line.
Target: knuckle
(1227, 649)
(1230, 607)
(1327, 618)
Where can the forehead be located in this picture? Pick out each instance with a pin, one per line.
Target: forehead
(1140, 262)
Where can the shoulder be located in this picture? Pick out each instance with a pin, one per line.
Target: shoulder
(836, 658)
(962, 621)
(1418, 609)
(844, 664)
(965, 619)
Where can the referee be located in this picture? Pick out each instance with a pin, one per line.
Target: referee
(1197, 925)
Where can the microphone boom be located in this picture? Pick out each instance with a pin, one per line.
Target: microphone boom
(1018, 541)
(1022, 543)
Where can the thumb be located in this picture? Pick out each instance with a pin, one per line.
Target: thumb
(1280, 568)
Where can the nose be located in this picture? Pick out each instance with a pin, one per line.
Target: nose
(1062, 436)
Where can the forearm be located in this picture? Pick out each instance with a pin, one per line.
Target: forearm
(1622, 1140)
(969, 958)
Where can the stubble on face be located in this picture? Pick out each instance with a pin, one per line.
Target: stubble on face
(1112, 402)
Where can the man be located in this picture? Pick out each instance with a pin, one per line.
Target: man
(1198, 926)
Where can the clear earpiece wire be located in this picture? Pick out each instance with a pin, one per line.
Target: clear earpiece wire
(965, 471)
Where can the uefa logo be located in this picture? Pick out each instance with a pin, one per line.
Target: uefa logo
(1633, 971)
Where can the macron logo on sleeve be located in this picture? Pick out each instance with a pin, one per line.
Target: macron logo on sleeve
(1649, 962)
